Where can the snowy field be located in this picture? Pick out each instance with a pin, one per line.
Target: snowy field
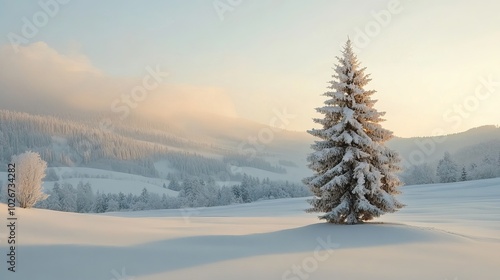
(293, 174)
(447, 231)
(106, 181)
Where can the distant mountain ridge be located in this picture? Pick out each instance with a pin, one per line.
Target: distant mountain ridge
(475, 153)
(418, 150)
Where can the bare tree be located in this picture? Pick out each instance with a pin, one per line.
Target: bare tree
(30, 170)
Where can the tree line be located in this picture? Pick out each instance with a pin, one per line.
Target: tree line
(449, 170)
(193, 192)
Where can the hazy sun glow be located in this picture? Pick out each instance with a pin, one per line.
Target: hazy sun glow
(434, 64)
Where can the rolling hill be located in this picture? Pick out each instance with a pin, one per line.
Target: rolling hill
(222, 148)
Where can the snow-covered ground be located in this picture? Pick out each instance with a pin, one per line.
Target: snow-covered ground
(294, 174)
(447, 231)
(106, 181)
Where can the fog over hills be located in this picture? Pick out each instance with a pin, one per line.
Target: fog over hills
(418, 150)
(210, 145)
(77, 115)
(136, 145)
(475, 154)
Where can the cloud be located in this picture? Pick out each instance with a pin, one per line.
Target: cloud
(38, 79)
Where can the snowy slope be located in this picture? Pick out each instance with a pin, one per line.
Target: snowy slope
(293, 174)
(447, 231)
(469, 208)
(106, 181)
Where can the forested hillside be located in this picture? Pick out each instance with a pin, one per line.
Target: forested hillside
(136, 146)
(470, 155)
(131, 148)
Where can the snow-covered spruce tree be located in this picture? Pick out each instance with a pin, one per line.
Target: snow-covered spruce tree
(447, 169)
(354, 173)
(30, 170)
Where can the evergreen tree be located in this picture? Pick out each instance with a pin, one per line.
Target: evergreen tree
(84, 198)
(101, 203)
(354, 173)
(164, 201)
(447, 169)
(463, 177)
(54, 201)
(122, 201)
(112, 205)
(225, 196)
(144, 197)
(418, 174)
(174, 185)
(130, 200)
(155, 201)
(241, 192)
(68, 198)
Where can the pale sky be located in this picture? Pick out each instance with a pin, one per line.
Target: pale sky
(429, 60)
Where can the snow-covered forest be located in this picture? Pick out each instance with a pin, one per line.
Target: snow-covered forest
(192, 193)
(127, 148)
(136, 147)
(480, 161)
